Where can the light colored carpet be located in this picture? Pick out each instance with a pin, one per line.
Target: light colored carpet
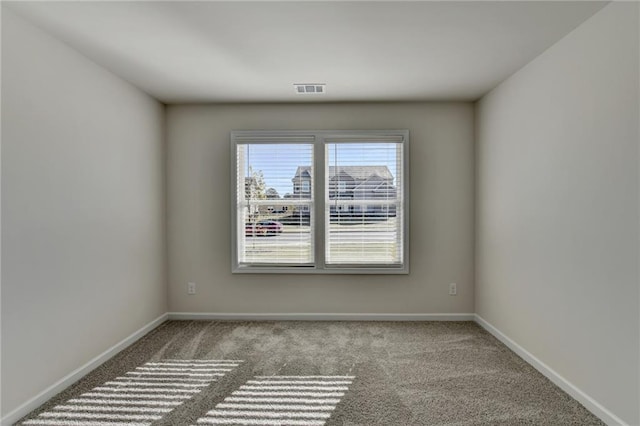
(314, 373)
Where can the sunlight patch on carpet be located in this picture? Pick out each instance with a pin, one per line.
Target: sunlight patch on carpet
(281, 401)
(139, 397)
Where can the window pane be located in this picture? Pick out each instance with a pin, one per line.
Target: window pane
(363, 203)
(275, 203)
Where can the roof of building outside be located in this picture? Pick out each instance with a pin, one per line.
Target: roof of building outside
(355, 172)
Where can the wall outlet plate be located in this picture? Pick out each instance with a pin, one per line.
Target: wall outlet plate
(453, 290)
(191, 288)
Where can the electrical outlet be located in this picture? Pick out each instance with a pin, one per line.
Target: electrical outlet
(453, 291)
(191, 288)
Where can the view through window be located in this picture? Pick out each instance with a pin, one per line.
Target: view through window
(363, 208)
(320, 201)
(275, 207)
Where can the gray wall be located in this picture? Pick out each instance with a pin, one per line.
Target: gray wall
(557, 208)
(83, 248)
(441, 197)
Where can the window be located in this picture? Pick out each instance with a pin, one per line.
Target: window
(282, 234)
(320, 202)
(362, 226)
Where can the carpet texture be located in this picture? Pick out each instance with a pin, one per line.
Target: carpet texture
(314, 373)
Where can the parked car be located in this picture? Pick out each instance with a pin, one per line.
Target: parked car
(270, 227)
(263, 228)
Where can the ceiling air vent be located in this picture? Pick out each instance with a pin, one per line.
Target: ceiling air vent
(310, 88)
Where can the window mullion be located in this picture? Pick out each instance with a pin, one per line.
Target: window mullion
(319, 199)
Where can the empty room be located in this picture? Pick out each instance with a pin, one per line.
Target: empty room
(320, 213)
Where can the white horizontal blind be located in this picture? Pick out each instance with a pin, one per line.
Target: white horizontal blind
(364, 217)
(274, 203)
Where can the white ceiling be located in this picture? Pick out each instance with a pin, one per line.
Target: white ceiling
(364, 51)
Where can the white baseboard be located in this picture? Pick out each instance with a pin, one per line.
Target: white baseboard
(317, 317)
(589, 403)
(77, 374)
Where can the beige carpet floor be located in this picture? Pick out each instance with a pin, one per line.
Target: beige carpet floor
(313, 374)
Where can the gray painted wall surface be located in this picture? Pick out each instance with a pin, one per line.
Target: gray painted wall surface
(441, 197)
(83, 251)
(557, 208)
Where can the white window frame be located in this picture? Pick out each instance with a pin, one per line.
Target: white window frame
(319, 138)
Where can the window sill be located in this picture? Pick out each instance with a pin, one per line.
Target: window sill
(304, 270)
